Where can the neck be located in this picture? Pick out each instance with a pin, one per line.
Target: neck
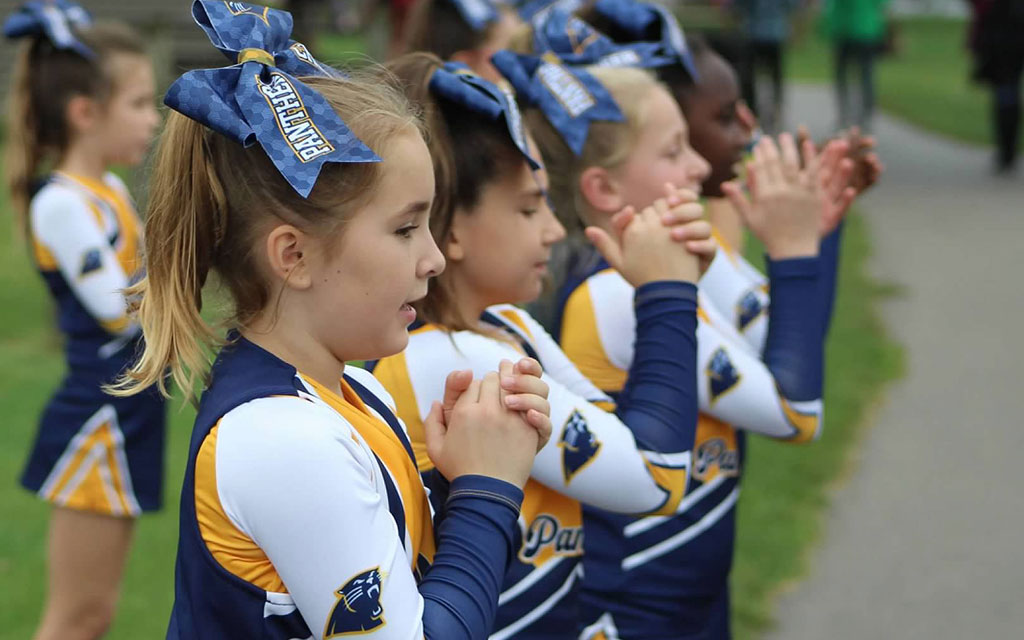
(298, 348)
(600, 219)
(468, 301)
(82, 161)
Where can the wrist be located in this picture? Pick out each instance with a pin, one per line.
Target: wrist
(792, 248)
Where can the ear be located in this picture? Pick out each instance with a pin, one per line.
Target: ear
(286, 254)
(601, 191)
(81, 113)
(455, 249)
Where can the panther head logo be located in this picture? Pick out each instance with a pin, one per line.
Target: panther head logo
(722, 375)
(579, 446)
(358, 609)
(748, 309)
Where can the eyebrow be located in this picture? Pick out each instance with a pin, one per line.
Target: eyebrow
(414, 208)
(534, 193)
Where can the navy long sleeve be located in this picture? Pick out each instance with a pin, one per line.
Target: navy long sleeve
(660, 394)
(829, 254)
(794, 351)
(476, 540)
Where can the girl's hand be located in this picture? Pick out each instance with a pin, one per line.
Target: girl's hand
(835, 194)
(524, 391)
(784, 209)
(867, 168)
(685, 208)
(642, 249)
(472, 432)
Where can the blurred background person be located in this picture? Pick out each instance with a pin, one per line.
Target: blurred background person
(857, 29)
(997, 42)
(766, 27)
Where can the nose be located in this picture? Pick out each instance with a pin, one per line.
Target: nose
(554, 231)
(700, 168)
(432, 263)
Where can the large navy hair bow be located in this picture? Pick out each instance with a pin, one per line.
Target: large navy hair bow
(576, 43)
(258, 99)
(53, 19)
(532, 8)
(455, 82)
(477, 13)
(638, 18)
(569, 97)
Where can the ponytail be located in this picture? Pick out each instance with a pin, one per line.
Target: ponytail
(185, 222)
(23, 154)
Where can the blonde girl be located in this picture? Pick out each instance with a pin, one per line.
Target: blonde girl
(302, 511)
(81, 100)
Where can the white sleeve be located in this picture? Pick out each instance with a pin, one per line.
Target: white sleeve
(740, 293)
(592, 455)
(556, 364)
(64, 224)
(300, 482)
(737, 387)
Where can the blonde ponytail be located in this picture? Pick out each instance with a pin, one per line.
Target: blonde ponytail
(186, 213)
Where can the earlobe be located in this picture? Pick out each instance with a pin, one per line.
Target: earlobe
(600, 190)
(286, 248)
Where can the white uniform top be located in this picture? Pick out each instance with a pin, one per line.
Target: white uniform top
(735, 386)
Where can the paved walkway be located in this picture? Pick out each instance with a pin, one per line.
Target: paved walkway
(926, 538)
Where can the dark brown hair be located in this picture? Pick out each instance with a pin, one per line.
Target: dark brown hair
(437, 27)
(45, 79)
(469, 150)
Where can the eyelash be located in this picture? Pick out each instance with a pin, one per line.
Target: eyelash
(406, 231)
(528, 212)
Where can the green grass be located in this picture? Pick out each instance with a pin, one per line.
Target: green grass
(785, 486)
(926, 82)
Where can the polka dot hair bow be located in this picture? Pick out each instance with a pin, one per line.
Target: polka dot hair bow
(259, 100)
(54, 19)
(456, 83)
(569, 97)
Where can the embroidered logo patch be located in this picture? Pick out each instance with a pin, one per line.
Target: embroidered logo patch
(92, 261)
(579, 446)
(358, 609)
(722, 375)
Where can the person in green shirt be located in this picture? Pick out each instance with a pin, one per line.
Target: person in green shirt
(857, 29)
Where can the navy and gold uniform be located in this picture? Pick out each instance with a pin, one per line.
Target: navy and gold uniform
(93, 451)
(635, 460)
(666, 576)
(303, 515)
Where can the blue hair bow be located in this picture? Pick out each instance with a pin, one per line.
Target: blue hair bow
(259, 100)
(455, 82)
(477, 13)
(533, 8)
(637, 19)
(569, 97)
(576, 43)
(55, 20)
